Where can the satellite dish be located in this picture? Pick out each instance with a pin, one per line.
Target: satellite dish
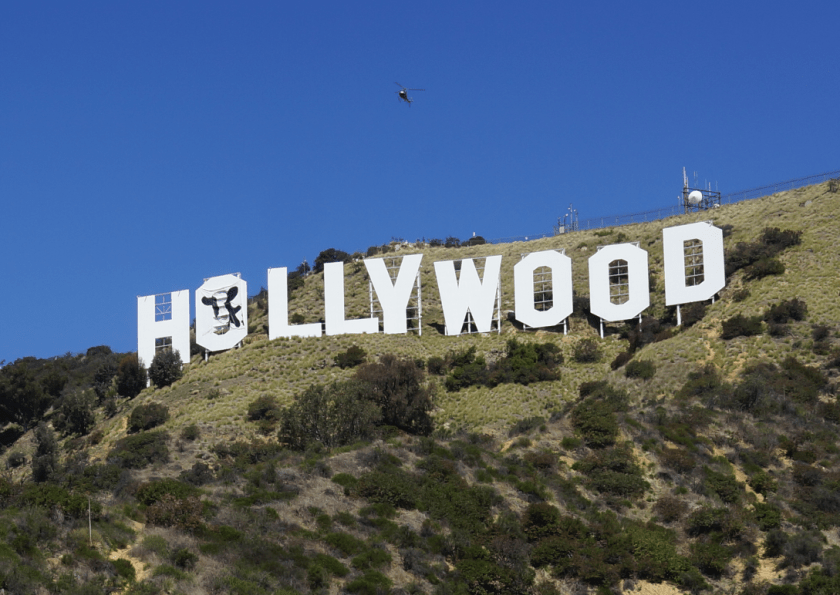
(695, 197)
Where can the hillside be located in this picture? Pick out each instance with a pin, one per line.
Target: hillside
(657, 460)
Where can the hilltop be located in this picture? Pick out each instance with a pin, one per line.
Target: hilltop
(659, 459)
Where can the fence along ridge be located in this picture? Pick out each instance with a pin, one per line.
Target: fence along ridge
(665, 212)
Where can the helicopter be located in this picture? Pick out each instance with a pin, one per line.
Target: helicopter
(403, 93)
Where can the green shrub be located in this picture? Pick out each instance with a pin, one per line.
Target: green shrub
(398, 387)
(802, 549)
(191, 432)
(786, 311)
(140, 450)
(621, 359)
(372, 558)
(370, 583)
(436, 365)
(644, 369)
(351, 358)
(76, 413)
(587, 351)
(670, 508)
(466, 369)
(166, 368)
(706, 520)
(394, 487)
(153, 491)
(613, 471)
(146, 417)
(524, 426)
(131, 376)
(184, 559)
(45, 460)
(762, 482)
(199, 474)
(345, 543)
(169, 511)
(266, 412)
(525, 363)
(764, 268)
(596, 422)
(710, 557)
(741, 295)
(331, 565)
(334, 415)
(766, 516)
(15, 459)
(741, 326)
(124, 569)
(725, 486)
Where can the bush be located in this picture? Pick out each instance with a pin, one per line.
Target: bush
(644, 369)
(199, 474)
(15, 459)
(124, 569)
(783, 312)
(741, 326)
(725, 486)
(146, 417)
(370, 583)
(329, 255)
(170, 511)
(45, 460)
(140, 450)
(131, 376)
(466, 369)
(331, 415)
(802, 549)
(165, 368)
(596, 422)
(764, 268)
(191, 432)
(153, 491)
(351, 358)
(397, 386)
(613, 471)
(621, 359)
(766, 516)
(76, 413)
(711, 557)
(436, 365)
(741, 295)
(525, 363)
(184, 559)
(266, 412)
(670, 508)
(587, 352)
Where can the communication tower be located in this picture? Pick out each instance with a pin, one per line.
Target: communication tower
(698, 199)
(568, 222)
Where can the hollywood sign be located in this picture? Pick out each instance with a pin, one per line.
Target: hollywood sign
(694, 272)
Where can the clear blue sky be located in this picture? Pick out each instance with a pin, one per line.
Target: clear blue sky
(145, 146)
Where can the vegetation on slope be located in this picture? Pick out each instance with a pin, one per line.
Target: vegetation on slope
(703, 456)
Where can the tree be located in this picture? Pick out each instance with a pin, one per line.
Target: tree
(131, 376)
(76, 412)
(333, 415)
(103, 377)
(45, 461)
(398, 387)
(22, 400)
(165, 368)
(329, 255)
